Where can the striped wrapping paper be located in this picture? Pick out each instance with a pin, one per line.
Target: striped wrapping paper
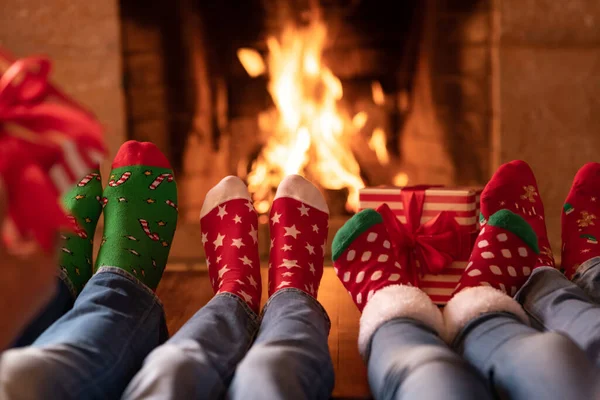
(462, 202)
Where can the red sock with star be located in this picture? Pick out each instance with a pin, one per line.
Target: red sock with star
(580, 224)
(513, 187)
(229, 235)
(299, 222)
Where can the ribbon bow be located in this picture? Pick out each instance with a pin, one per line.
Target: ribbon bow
(422, 249)
(47, 143)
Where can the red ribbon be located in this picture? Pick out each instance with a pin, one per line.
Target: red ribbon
(36, 120)
(422, 249)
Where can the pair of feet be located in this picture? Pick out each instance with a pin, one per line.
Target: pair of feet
(140, 217)
(299, 220)
(513, 240)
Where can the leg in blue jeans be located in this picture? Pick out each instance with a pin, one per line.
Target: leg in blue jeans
(556, 304)
(94, 350)
(56, 308)
(199, 361)
(290, 358)
(523, 363)
(408, 360)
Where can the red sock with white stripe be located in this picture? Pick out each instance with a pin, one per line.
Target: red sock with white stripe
(365, 263)
(230, 239)
(513, 187)
(580, 223)
(299, 223)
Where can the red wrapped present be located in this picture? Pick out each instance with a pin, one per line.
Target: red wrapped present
(433, 230)
(47, 143)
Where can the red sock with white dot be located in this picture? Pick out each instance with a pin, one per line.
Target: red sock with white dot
(299, 223)
(504, 254)
(580, 223)
(514, 187)
(230, 239)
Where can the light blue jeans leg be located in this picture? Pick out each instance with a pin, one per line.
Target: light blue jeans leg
(290, 357)
(57, 307)
(94, 350)
(407, 360)
(556, 304)
(199, 361)
(523, 363)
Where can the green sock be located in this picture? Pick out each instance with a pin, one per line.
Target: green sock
(140, 213)
(82, 202)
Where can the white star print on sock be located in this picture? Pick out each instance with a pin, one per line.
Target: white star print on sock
(222, 271)
(237, 219)
(303, 210)
(222, 211)
(275, 218)
(253, 233)
(286, 247)
(237, 243)
(219, 241)
(311, 249)
(291, 231)
(245, 260)
(252, 281)
(204, 238)
(289, 264)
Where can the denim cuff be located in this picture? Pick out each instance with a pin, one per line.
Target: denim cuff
(62, 275)
(301, 293)
(125, 274)
(254, 317)
(585, 267)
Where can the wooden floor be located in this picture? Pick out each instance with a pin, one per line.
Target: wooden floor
(183, 293)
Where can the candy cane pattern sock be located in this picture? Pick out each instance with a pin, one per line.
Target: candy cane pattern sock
(140, 213)
(580, 223)
(364, 261)
(82, 203)
(504, 254)
(513, 187)
(230, 238)
(299, 222)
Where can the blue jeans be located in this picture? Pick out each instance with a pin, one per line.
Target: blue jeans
(92, 351)
(216, 354)
(556, 304)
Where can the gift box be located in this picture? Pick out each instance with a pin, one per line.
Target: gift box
(48, 142)
(433, 229)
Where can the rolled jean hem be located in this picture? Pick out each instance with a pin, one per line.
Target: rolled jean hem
(254, 317)
(62, 275)
(125, 274)
(584, 268)
(302, 293)
(537, 270)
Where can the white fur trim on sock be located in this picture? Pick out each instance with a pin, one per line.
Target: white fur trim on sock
(229, 188)
(296, 187)
(397, 301)
(473, 302)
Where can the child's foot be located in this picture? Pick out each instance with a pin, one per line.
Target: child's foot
(229, 235)
(364, 261)
(580, 223)
(299, 222)
(501, 262)
(140, 213)
(513, 187)
(83, 204)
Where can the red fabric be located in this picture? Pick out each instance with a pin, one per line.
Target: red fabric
(369, 264)
(514, 187)
(427, 248)
(298, 240)
(140, 153)
(229, 236)
(499, 259)
(580, 219)
(41, 130)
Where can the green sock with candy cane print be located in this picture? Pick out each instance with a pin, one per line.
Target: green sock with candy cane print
(140, 213)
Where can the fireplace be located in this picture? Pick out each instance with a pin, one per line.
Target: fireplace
(346, 92)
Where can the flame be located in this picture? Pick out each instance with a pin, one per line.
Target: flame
(378, 145)
(401, 179)
(377, 93)
(307, 134)
(252, 62)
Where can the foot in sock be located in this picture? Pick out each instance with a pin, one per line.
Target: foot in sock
(365, 262)
(140, 213)
(513, 187)
(229, 235)
(82, 203)
(580, 224)
(299, 222)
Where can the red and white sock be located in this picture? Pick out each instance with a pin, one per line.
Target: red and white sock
(299, 223)
(365, 262)
(580, 219)
(502, 260)
(513, 187)
(230, 239)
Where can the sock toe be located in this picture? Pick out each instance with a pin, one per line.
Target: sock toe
(229, 188)
(297, 187)
(140, 153)
(587, 179)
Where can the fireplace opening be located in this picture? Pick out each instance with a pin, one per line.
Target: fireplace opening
(349, 93)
